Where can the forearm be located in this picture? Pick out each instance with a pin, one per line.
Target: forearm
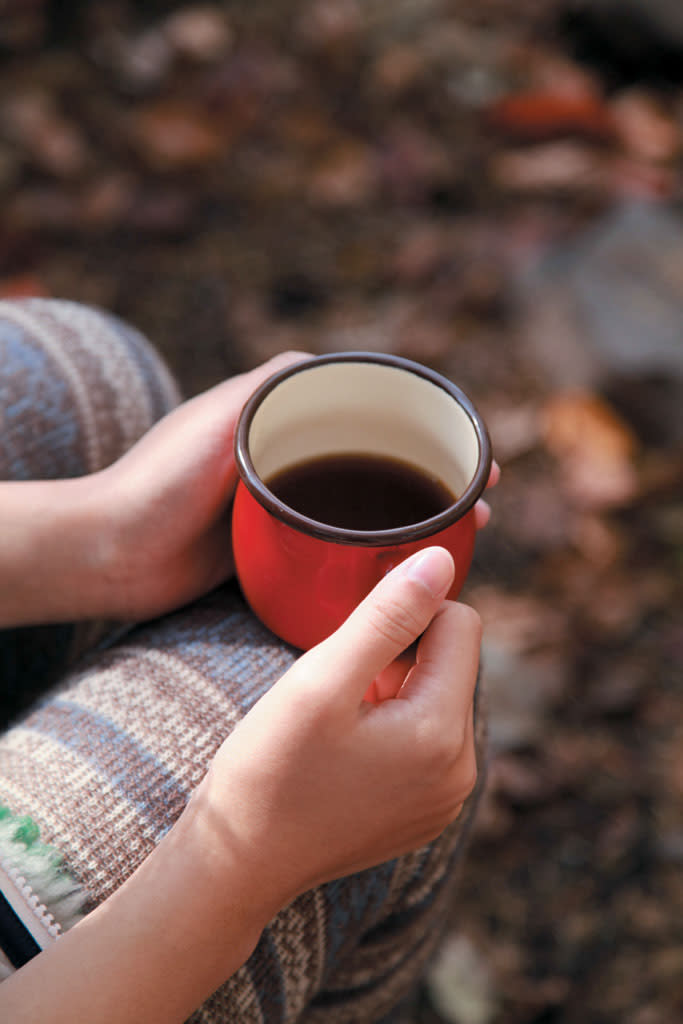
(53, 553)
(173, 933)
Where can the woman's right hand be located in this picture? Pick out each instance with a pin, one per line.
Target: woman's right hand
(316, 782)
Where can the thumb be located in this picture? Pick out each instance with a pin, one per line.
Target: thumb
(392, 616)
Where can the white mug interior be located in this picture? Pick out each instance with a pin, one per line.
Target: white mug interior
(364, 408)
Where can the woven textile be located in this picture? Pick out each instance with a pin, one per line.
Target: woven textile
(105, 763)
(77, 388)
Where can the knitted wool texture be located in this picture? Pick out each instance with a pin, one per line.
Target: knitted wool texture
(106, 761)
(77, 388)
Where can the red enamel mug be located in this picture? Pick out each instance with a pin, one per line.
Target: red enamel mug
(302, 577)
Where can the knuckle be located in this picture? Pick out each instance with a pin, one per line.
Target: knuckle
(395, 622)
(468, 778)
(454, 764)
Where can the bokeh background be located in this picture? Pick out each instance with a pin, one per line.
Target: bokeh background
(494, 189)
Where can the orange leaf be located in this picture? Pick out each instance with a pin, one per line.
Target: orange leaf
(22, 286)
(535, 116)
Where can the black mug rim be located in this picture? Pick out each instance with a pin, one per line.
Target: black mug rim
(364, 538)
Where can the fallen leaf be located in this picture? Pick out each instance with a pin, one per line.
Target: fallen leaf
(535, 116)
(582, 421)
(22, 286)
(172, 135)
(594, 446)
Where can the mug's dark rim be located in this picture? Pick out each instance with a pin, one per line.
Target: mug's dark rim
(365, 538)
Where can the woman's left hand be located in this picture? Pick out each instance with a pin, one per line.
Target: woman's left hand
(167, 502)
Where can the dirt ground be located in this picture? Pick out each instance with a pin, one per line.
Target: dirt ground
(494, 190)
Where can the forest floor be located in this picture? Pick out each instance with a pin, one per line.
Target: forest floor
(492, 190)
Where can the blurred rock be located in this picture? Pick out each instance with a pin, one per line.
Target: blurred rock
(461, 983)
(609, 305)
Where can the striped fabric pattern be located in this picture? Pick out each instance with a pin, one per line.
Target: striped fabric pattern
(77, 388)
(105, 762)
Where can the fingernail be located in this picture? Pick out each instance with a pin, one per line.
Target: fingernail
(433, 567)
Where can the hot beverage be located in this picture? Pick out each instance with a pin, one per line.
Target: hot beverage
(361, 492)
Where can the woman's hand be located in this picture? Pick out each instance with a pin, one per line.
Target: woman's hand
(141, 537)
(313, 784)
(316, 782)
(482, 510)
(168, 501)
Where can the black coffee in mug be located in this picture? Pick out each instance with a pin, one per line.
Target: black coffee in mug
(361, 492)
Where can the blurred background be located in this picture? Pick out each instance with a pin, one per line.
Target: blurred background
(493, 189)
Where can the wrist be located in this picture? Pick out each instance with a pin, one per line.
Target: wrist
(232, 880)
(176, 929)
(54, 551)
